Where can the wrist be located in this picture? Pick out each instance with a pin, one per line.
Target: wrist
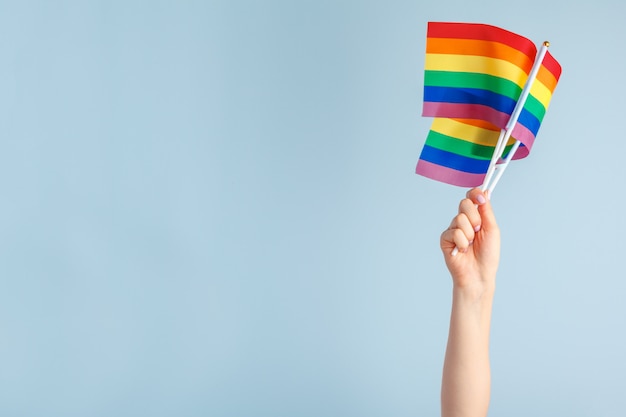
(475, 292)
(474, 304)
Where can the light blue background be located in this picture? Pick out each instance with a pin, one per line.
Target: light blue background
(209, 209)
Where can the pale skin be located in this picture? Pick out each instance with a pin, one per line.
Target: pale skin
(466, 382)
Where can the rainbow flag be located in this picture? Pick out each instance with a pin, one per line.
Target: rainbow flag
(474, 76)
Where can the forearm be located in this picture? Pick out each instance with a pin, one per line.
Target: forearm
(466, 374)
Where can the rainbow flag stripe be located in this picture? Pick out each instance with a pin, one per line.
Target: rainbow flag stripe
(475, 72)
(458, 151)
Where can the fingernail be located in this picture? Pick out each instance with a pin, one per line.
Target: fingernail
(477, 228)
(481, 199)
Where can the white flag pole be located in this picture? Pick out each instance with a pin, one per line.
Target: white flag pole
(505, 134)
(497, 151)
(503, 139)
(500, 168)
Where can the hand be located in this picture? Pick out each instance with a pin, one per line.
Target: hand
(475, 233)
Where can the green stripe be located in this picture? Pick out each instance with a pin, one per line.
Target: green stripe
(484, 82)
(460, 146)
(472, 80)
(535, 107)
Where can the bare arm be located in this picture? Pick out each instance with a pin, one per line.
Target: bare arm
(466, 380)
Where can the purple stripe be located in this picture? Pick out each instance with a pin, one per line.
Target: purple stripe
(480, 112)
(524, 135)
(522, 152)
(465, 111)
(448, 175)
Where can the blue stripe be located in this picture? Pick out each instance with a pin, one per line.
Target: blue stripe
(488, 98)
(484, 97)
(454, 161)
(529, 120)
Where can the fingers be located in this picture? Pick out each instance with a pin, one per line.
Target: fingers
(475, 213)
(460, 234)
(468, 208)
(453, 241)
(487, 217)
(462, 229)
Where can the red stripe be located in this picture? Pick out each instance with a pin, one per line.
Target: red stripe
(552, 65)
(481, 32)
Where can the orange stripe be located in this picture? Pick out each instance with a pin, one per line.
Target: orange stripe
(479, 48)
(479, 123)
(483, 125)
(547, 78)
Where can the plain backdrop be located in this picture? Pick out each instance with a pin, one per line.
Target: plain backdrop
(209, 208)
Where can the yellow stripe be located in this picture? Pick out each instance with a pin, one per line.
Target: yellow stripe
(541, 93)
(476, 64)
(491, 66)
(469, 133)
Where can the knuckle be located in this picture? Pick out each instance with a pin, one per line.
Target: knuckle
(460, 219)
(459, 238)
(465, 203)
